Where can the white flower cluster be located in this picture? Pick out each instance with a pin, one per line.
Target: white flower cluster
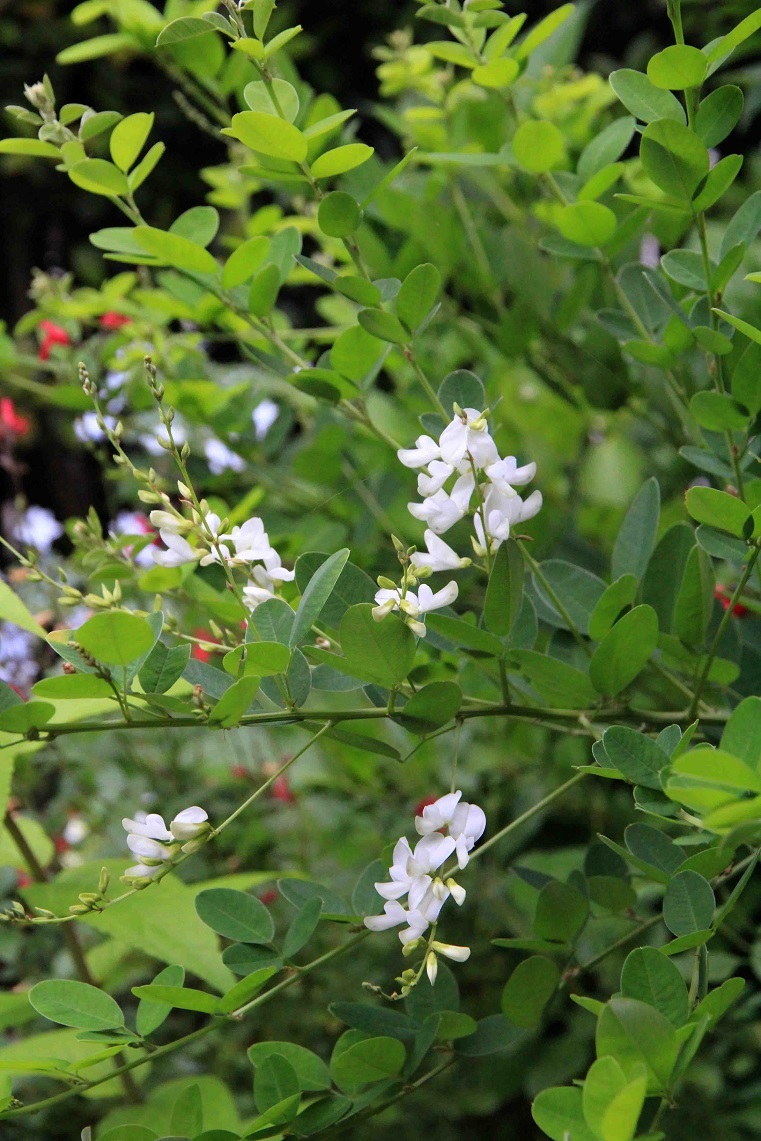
(448, 827)
(412, 606)
(154, 844)
(466, 459)
(243, 546)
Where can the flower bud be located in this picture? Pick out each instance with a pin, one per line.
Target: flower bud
(103, 881)
(190, 824)
(456, 891)
(450, 951)
(431, 967)
(386, 583)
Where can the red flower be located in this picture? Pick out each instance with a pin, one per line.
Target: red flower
(725, 598)
(113, 320)
(54, 335)
(10, 420)
(281, 790)
(23, 879)
(268, 897)
(240, 772)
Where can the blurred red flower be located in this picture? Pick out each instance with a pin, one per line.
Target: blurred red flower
(54, 335)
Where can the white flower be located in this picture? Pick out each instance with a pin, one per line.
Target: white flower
(507, 473)
(438, 474)
(394, 915)
(189, 824)
(143, 846)
(168, 521)
(450, 951)
(437, 815)
(264, 416)
(412, 605)
(141, 872)
(422, 454)
(465, 823)
(254, 595)
(151, 825)
(250, 541)
(442, 510)
(410, 871)
(179, 552)
(438, 556)
(504, 509)
(468, 437)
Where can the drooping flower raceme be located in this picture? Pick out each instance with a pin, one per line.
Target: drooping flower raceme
(155, 845)
(447, 827)
(463, 461)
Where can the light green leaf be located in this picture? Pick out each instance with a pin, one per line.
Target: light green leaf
(268, 135)
(72, 1003)
(99, 177)
(244, 261)
(236, 915)
(369, 1060)
(538, 146)
(12, 609)
(624, 651)
(380, 652)
(340, 160)
(418, 294)
(677, 67)
(186, 28)
(634, 1034)
(316, 595)
(719, 509)
(33, 148)
(116, 637)
(558, 1113)
(674, 157)
(128, 138)
(180, 997)
(587, 223)
(175, 250)
(151, 1014)
(645, 101)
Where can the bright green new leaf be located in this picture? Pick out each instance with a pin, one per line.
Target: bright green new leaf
(199, 224)
(636, 1034)
(268, 135)
(264, 289)
(244, 261)
(340, 160)
(339, 214)
(587, 223)
(32, 148)
(12, 609)
(719, 509)
(645, 101)
(99, 177)
(538, 146)
(496, 73)
(128, 138)
(543, 30)
(72, 1003)
(181, 997)
(175, 250)
(558, 1113)
(718, 114)
(186, 28)
(624, 651)
(258, 98)
(739, 34)
(677, 67)
(385, 326)
(234, 702)
(418, 294)
(235, 914)
(151, 1014)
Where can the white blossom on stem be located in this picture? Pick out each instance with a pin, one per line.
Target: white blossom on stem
(438, 555)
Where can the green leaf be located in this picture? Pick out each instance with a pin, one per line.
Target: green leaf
(586, 223)
(464, 388)
(264, 290)
(244, 261)
(746, 379)
(577, 589)
(99, 177)
(554, 680)
(275, 1081)
(635, 540)
(638, 757)
(715, 1005)
(739, 34)
(677, 67)
(706, 778)
(496, 73)
(720, 510)
(25, 716)
(561, 912)
(695, 600)
(652, 978)
(653, 847)
(688, 904)
(12, 609)
(605, 148)
(235, 914)
(179, 997)
(249, 959)
(418, 294)
(234, 702)
(528, 990)
(543, 30)
(618, 595)
(268, 135)
(353, 586)
(186, 28)
(504, 592)
(356, 354)
(176, 251)
(266, 658)
(316, 595)
(380, 652)
(719, 179)
(32, 148)
(247, 988)
(258, 98)
(128, 138)
(742, 732)
(71, 1003)
(95, 48)
(538, 146)
(674, 157)
(163, 667)
(72, 687)
(558, 1113)
(634, 1034)
(312, 1072)
(431, 707)
(370, 1060)
(464, 634)
(302, 927)
(199, 224)
(718, 412)
(645, 101)
(686, 267)
(150, 1015)
(338, 214)
(624, 651)
(116, 637)
(340, 160)
(385, 326)
(718, 114)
